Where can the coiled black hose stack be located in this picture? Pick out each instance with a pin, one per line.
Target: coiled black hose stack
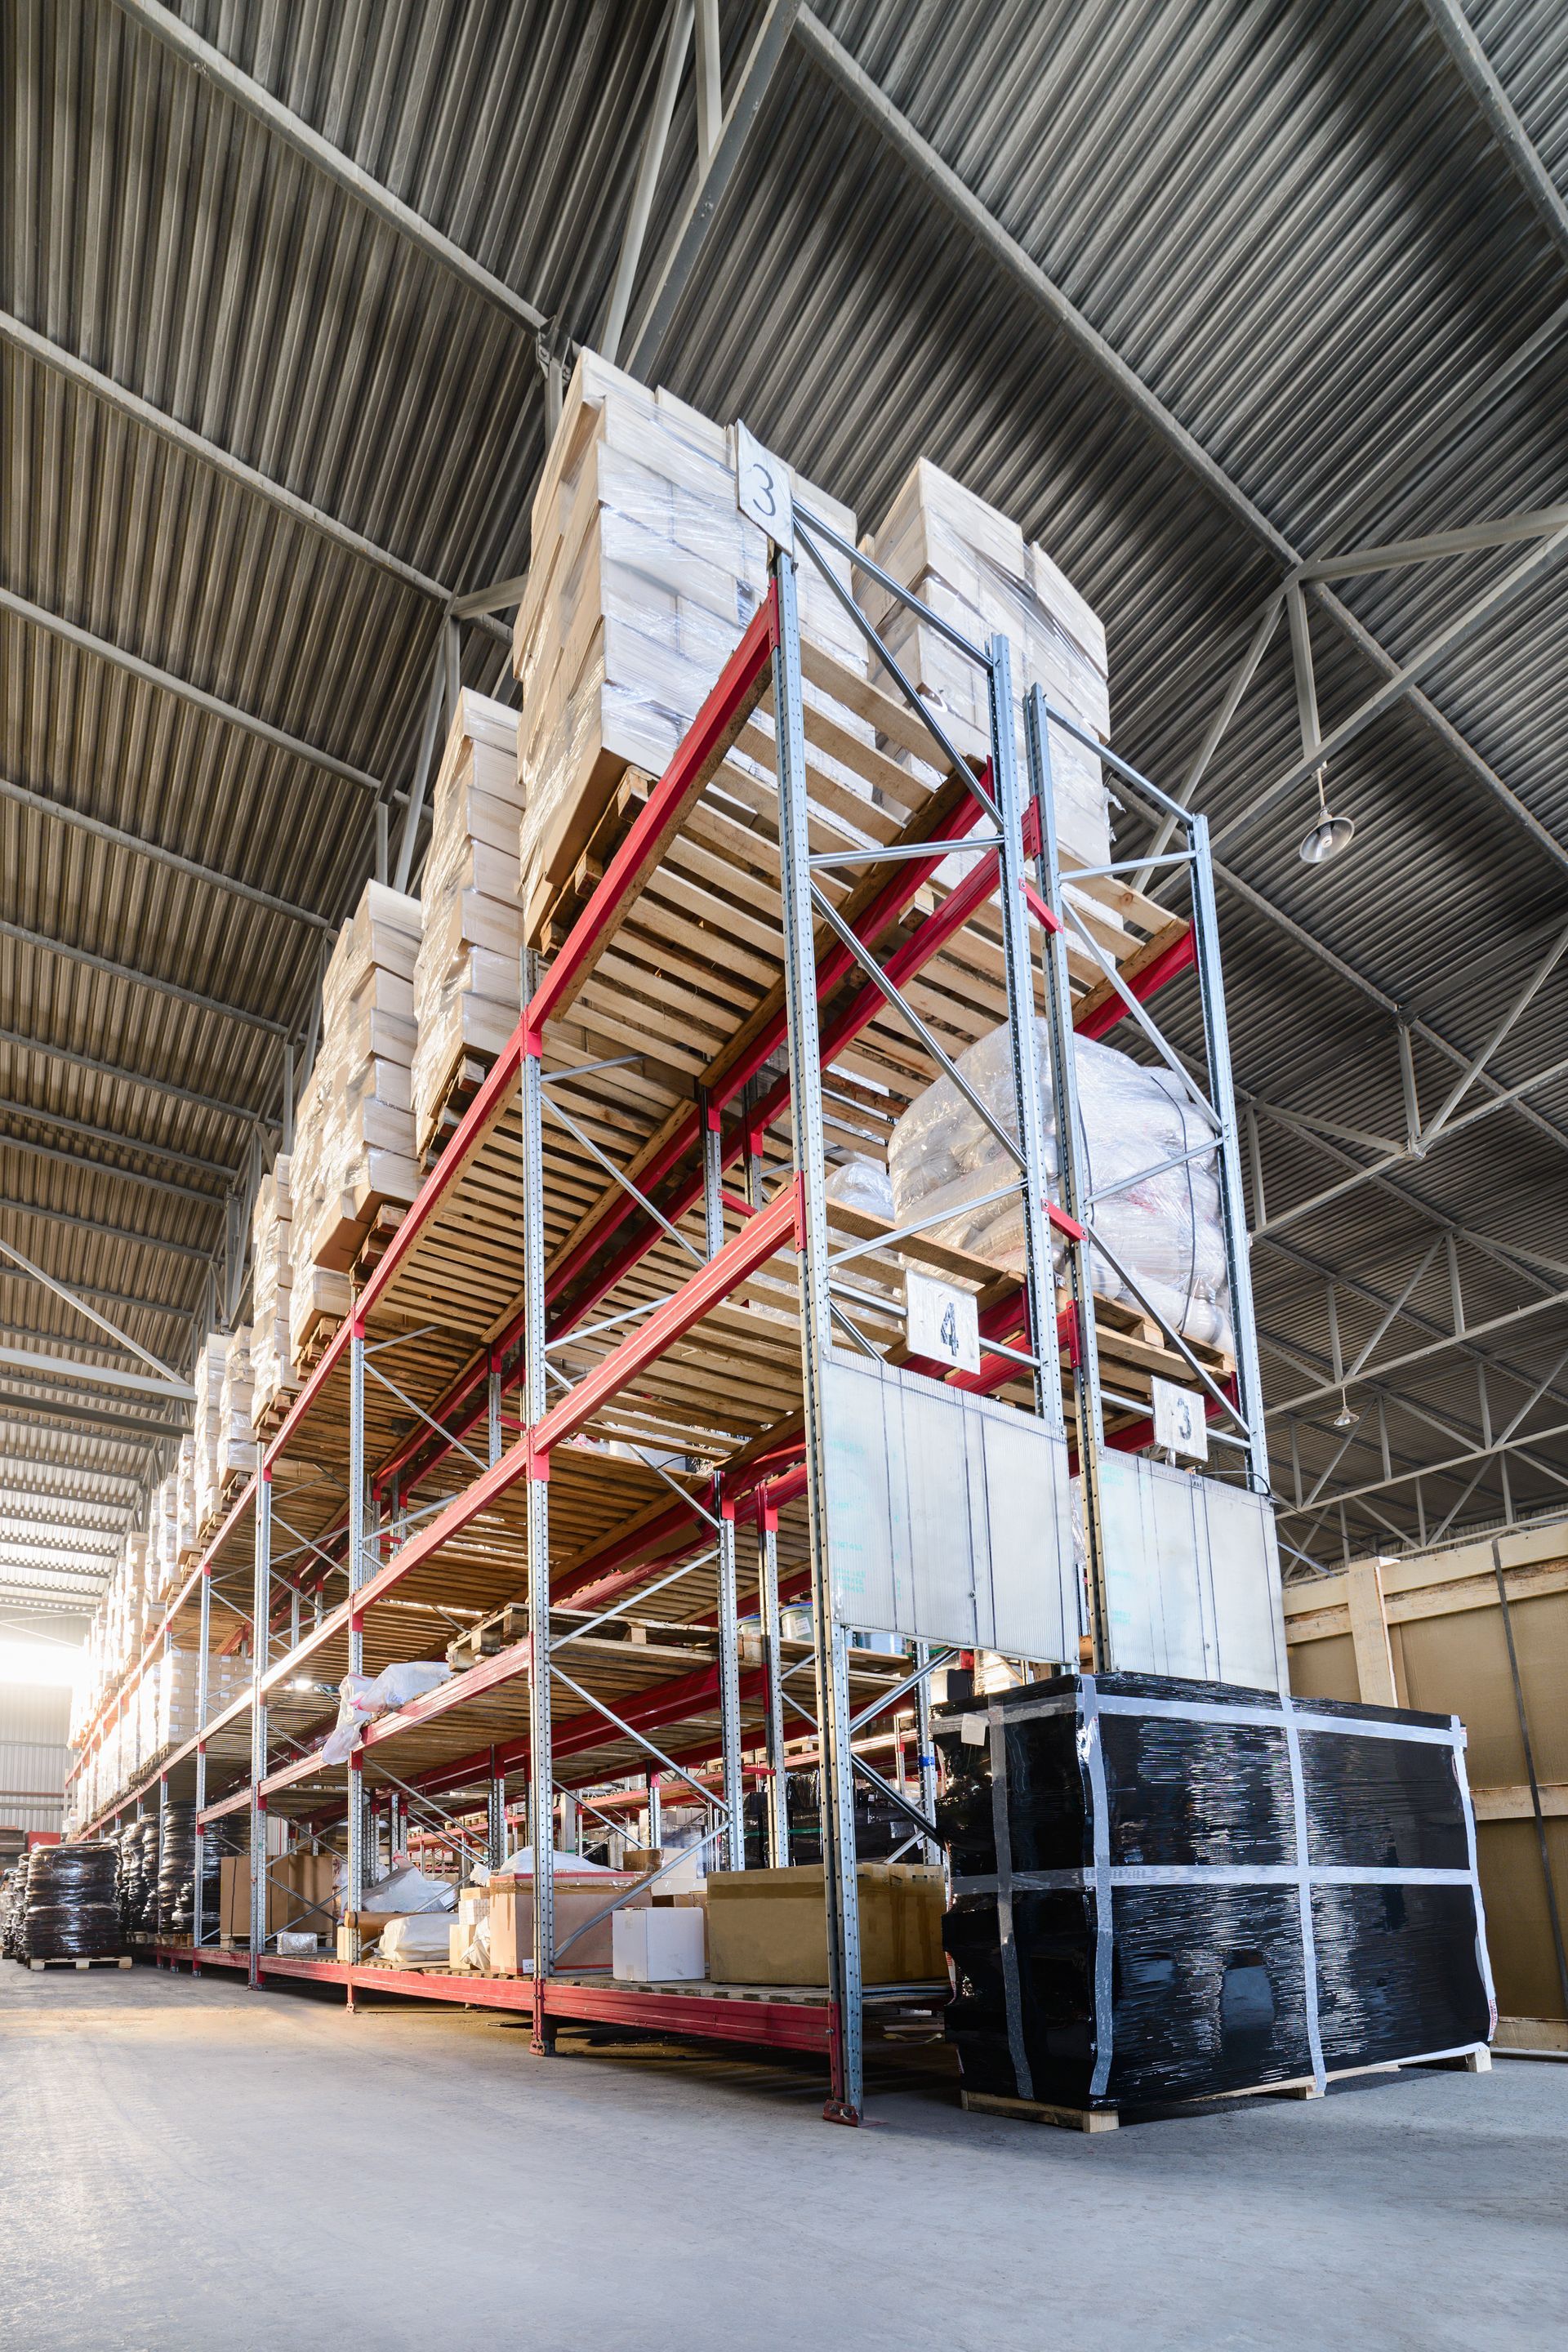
(144, 1878)
(13, 1903)
(71, 1911)
(176, 1874)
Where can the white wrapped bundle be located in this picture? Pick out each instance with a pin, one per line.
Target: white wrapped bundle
(185, 1496)
(976, 571)
(468, 973)
(272, 1372)
(235, 1444)
(1164, 1229)
(354, 1136)
(644, 576)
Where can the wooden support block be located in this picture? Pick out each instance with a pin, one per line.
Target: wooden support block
(1039, 2111)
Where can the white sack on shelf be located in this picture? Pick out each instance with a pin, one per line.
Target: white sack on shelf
(1164, 1229)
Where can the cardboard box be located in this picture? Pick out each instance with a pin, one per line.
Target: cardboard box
(296, 1882)
(769, 1927)
(576, 1901)
(659, 1945)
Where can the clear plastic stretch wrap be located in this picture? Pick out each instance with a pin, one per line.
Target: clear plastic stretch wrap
(1164, 1229)
(361, 1697)
(72, 1911)
(354, 1136)
(1126, 1916)
(643, 578)
(974, 569)
(221, 1431)
(272, 1373)
(467, 976)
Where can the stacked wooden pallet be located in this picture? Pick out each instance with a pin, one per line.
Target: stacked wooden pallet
(468, 973)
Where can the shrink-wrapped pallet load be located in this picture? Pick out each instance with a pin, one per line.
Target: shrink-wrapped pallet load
(272, 1374)
(236, 1443)
(975, 569)
(354, 1136)
(945, 1159)
(644, 577)
(468, 973)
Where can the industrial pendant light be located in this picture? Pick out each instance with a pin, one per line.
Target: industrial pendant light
(1329, 836)
(1344, 1418)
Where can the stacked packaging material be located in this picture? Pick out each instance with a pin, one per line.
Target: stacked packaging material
(976, 571)
(467, 976)
(165, 1532)
(271, 1284)
(214, 1432)
(1166, 1229)
(236, 1442)
(643, 578)
(71, 1910)
(353, 1138)
(1135, 1917)
(186, 1522)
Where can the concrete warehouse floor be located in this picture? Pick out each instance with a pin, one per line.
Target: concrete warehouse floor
(186, 2165)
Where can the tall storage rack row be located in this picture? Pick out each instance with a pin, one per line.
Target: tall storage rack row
(598, 1374)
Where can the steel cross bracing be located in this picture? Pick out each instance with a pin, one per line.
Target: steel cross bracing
(855, 954)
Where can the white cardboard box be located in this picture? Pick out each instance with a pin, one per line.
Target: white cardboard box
(659, 1944)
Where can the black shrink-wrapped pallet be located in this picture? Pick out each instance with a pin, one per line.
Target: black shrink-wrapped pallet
(1131, 1920)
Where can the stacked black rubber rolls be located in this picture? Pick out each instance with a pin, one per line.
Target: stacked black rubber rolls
(13, 1906)
(71, 1912)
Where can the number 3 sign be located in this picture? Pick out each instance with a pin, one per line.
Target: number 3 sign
(763, 491)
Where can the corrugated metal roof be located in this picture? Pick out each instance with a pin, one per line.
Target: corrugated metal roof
(1289, 221)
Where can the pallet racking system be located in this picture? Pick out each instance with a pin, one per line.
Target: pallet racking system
(593, 1373)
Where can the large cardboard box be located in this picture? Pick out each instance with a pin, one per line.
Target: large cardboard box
(296, 1883)
(769, 1927)
(576, 1900)
(661, 1945)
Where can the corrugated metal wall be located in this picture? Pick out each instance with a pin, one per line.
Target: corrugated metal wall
(33, 1756)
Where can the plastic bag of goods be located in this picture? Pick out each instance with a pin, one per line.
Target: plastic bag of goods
(361, 1697)
(418, 1939)
(1164, 1229)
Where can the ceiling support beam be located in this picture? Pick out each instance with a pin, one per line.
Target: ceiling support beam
(960, 201)
(753, 83)
(27, 1473)
(138, 846)
(213, 67)
(650, 163)
(234, 469)
(55, 1368)
(37, 618)
(129, 972)
(20, 1411)
(110, 1233)
(62, 1290)
(107, 1168)
(117, 1139)
(106, 1298)
(110, 1070)
(1496, 111)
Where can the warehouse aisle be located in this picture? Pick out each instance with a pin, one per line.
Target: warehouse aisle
(183, 2166)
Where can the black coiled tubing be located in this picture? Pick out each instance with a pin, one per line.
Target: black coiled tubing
(71, 1911)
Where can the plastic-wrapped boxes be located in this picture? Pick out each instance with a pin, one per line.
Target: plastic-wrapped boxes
(643, 578)
(468, 973)
(272, 1373)
(221, 1429)
(354, 1136)
(1133, 1917)
(975, 569)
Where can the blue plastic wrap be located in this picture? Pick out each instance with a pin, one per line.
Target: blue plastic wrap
(1131, 1922)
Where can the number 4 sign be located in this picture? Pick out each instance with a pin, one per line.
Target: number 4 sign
(943, 1322)
(763, 491)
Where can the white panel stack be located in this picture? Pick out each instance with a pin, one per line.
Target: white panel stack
(272, 1371)
(976, 571)
(353, 1138)
(236, 1443)
(644, 577)
(185, 1520)
(467, 976)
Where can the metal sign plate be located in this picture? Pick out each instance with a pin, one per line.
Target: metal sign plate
(949, 1515)
(1180, 1424)
(943, 1322)
(763, 491)
(1192, 1576)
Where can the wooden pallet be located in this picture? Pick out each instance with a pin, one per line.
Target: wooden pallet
(111, 1961)
(1109, 2118)
(457, 1091)
(554, 907)
(377, 1235)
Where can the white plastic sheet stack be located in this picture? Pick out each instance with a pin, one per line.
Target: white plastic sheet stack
(221, 1431)
(354, 1136)
(976, 571)
(185, 1520)
(1164, 1229)
(272, 1373)
(467, 975)
(644, 577)
(236, 1443)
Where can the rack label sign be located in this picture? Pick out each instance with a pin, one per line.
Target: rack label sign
(1180, 1426)
(943, 1322)
(763, 491)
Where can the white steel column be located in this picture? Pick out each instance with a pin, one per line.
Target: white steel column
(838, 1807)
(358, 1565)
(1074, 1189)
(776, 1806)
(732, 1842)
(492, 1404)
(542, 1792)
(261, 1618)
(198, 1923)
